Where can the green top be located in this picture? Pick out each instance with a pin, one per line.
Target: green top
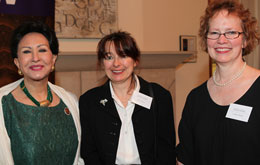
(40, 135)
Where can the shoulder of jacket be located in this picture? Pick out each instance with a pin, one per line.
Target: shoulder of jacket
(92, 92)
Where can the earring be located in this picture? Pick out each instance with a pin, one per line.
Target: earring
(52, 68)
(20, 72)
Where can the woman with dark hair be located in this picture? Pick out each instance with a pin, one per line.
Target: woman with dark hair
(127, 120)
(220, 122)
(39, 121)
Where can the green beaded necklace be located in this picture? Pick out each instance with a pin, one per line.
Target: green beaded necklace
(44, 103)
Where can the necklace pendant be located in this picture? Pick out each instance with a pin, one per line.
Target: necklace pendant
(45, 103)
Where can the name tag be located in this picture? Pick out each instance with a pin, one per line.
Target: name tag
(142, 99)
(239, 112)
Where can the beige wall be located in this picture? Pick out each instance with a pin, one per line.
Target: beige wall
(163, 22)
(156, 25)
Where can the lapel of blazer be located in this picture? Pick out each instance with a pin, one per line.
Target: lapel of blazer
(144, 90)
(109, 106)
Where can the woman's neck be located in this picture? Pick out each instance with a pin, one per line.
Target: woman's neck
(226, 73)
(123, 90)
(38, 89)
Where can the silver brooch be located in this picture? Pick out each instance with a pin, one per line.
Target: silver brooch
(103, 102)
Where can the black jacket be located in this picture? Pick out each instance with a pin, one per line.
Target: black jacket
(101, 127)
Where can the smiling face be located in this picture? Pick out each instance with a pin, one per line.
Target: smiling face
(35, 58)
(117, 68)
(225, 50)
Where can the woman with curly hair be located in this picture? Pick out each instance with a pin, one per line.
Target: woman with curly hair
(221, 119)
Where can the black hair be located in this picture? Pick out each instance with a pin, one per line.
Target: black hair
(34, 26)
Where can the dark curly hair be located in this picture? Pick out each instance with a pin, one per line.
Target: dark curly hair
(34, 26)
(249, 23)
(125, 45)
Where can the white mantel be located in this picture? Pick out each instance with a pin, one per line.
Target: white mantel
(77, 71)
(87, 61)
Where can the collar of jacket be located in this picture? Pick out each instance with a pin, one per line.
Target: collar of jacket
(110, 106)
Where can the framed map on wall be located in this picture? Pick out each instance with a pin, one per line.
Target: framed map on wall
(85, 18)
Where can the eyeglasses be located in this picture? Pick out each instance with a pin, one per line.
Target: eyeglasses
(228, 35)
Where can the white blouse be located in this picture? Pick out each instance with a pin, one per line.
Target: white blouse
(127, 152)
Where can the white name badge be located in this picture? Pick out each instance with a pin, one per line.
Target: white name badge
(142, 99)
(239, 112)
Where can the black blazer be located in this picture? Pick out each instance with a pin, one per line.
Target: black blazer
(101, 127)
